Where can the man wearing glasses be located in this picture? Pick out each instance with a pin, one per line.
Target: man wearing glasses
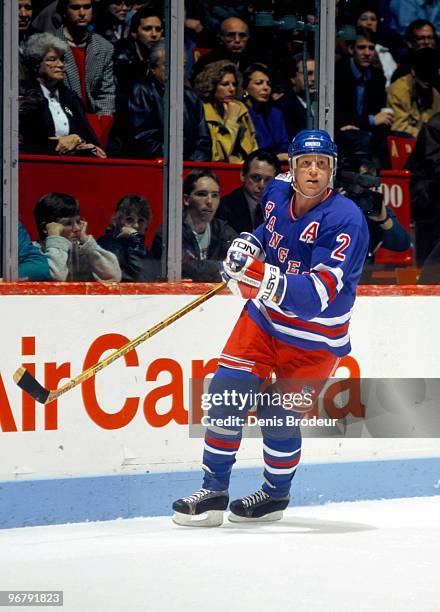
(241, 208)
(419, 34)
(233, 45)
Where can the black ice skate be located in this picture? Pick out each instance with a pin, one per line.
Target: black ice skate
(204, 508)
(258, 507)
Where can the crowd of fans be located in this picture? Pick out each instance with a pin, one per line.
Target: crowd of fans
(92, 75)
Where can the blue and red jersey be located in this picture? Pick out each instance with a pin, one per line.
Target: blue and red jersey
(322, 254)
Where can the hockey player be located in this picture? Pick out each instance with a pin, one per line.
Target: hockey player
(298, 271)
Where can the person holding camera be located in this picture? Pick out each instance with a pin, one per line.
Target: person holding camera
(360, 183)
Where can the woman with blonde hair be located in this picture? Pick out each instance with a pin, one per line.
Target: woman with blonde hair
(228, 119)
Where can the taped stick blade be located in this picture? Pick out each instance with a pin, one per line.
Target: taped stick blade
(30, 385)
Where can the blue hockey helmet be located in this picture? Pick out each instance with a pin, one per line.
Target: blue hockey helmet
(315, 142)
(312, 142)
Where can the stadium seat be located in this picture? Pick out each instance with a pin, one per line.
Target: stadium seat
(400, 149)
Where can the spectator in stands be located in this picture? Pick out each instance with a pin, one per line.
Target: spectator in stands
(144, 117)
(125, 237)
(205, 239)
(131, 53)
(232, 46)
(89, 59)
(25, 11)
(403, 12)
(367, 16)
(413, 97)
(241, 208)
(419, 35)
(293, 102)
(228, 119)
(361, 124)
(72, 253)
(52, 117)
(24, 18)
(383, 226)
(424, 164)
(32, 264)
(149, 26)
(268, 120)
(131, 64)
(111, 19)
(195, 20)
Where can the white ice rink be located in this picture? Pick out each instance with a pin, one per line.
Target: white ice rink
(376, 555)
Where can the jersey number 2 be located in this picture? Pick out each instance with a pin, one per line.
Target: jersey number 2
(338, 253)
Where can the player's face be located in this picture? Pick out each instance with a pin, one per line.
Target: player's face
(204, 199)
(149, 31)
(312, 173)
(259, 175)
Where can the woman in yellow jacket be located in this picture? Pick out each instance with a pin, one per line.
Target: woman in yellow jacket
(228, 119)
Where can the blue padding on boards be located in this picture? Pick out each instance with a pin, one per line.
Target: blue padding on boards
(101, 498)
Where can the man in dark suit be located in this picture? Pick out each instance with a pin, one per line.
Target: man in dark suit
(232, 45)
(241, 208)
(293, 103)
(361, 126)
(139, 127)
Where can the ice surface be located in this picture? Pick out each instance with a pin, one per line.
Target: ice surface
(355, 557)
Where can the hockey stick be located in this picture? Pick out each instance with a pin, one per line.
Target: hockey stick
(32, 387)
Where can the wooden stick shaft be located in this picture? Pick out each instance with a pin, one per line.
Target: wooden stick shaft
(134, 343)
